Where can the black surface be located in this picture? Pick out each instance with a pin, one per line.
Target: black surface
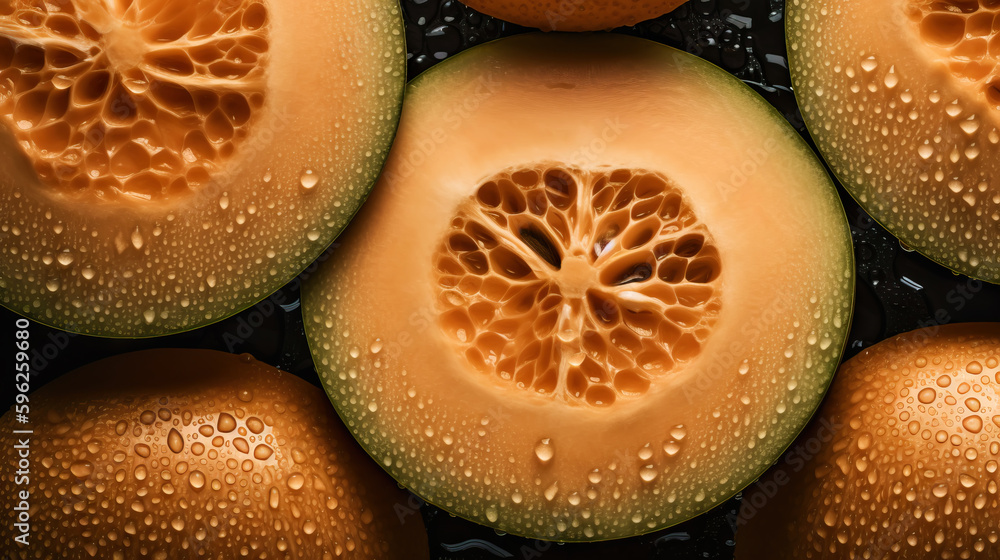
(897, 290)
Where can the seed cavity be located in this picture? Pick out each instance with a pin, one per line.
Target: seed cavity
(964, 34)
(147, 108)
(584, 285)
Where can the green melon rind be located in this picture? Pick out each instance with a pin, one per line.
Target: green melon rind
(328, 276)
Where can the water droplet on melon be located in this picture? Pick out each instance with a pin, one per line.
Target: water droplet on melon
(308, 180)
(973, 423)
(226, 422)
(175, 441)
(296, 481)
(197, 480)
(81, 469)
(551, 491)
(137, 240)
(647, 473)
(544, 450)
(891, 79)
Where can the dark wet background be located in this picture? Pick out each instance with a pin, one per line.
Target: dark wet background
(897, 290)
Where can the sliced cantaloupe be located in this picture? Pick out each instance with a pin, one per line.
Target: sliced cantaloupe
(599, 288)
(899, 463)
(575, 15)
(902, 98)
(190, 454)
(166, 163)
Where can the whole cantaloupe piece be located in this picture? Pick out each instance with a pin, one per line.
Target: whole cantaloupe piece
(559, 315)
(900, 462)
(575, 15)
(183, 454)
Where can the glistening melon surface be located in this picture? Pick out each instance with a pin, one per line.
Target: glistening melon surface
(575, 15)
(900, 462)
(167, 163)
(902, 99)
(191, 454)
(559, 315)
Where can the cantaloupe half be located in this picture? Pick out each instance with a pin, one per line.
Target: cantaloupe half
(167, 163)
(189, 454)
(903, 99)
(599, 288)
(575, 15)
(900, 462)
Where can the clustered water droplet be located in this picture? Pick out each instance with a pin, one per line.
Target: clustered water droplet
(202, 463)
(906, 457)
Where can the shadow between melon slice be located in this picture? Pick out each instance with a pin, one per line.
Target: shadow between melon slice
(599, 288)
(162, 169)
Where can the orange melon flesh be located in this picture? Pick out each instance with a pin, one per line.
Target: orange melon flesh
(576, 15)
(186, 454)
(599, 288)
(166, 163)
(899, 463)
(909, 125)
